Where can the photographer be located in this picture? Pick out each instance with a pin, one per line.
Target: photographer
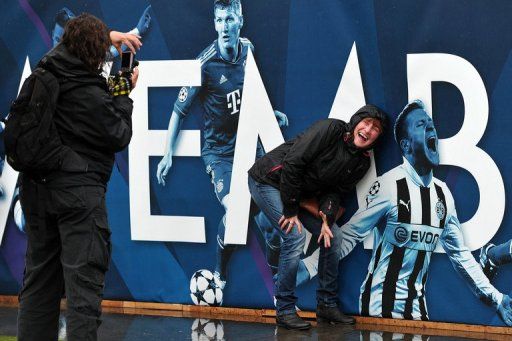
(68, 236)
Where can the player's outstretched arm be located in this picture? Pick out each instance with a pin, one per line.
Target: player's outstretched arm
(182, 105)
(172, 133)
(463, 261)
(466, 265)
(378, 205)
(505, 310)
(139, 31)
(144, 21)
(282, 119)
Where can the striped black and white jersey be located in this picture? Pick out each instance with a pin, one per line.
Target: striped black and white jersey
(367, 335)
(409, 218)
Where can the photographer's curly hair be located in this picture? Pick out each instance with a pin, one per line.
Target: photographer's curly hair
(87, 37)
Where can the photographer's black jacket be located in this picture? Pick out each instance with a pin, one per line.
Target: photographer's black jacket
(88, 118)
(322, 162)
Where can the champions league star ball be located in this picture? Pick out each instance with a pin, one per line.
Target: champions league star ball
(205, 329)
(205, 289)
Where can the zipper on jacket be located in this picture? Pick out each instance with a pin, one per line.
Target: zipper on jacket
(275, 168)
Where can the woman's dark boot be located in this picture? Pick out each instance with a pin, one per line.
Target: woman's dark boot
(332, 315)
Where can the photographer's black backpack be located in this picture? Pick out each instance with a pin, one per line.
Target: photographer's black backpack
(32, 143)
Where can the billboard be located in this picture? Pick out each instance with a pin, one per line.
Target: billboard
(295, 63)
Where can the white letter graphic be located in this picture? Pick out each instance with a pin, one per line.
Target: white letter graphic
(145, 143)
(256, 118)
(461, 149)
(9, 175)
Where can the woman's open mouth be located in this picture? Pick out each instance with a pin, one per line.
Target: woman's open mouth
(362, 136)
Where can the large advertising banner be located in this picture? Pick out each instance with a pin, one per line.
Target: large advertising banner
(426, 234)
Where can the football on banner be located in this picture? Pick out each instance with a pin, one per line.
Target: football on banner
(205, 289)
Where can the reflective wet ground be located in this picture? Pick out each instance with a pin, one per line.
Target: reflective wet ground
(149, 327)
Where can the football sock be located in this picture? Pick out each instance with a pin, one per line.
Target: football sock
(302, 274)
(309, 267)
(224, 253)
(272, 254)
(501, 254)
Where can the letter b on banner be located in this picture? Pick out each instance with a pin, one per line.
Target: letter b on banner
(461, 149)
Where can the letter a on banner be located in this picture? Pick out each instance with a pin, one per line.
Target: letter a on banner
(461, 149)
(349, 98)
(9, 175)
(256, 119)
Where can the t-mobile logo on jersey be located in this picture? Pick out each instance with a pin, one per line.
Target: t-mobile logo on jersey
(233, 99)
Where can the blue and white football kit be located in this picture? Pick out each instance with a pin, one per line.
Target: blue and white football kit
(220, 93)
(409, 218)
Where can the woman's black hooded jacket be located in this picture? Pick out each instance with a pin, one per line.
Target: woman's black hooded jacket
(322, 162)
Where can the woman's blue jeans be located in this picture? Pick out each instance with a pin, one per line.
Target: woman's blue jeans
(269, 201)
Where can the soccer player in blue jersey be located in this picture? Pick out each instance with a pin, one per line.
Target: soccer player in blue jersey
(65, 14)
(410, 211)
(222, 79)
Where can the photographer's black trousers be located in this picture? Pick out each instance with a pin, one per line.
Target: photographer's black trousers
(68, 252)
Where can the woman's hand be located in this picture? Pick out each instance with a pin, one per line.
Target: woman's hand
(289, 223)
(325, 233)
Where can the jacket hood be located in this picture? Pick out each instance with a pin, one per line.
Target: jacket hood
(64, 64)
(371, 111)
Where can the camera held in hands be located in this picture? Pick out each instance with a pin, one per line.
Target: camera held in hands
(128, 63)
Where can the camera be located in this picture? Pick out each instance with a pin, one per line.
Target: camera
(128, 63)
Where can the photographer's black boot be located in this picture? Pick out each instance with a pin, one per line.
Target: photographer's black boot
(292, 321)
(332, 315)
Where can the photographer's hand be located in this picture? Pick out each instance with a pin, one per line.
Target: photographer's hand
(131, 41)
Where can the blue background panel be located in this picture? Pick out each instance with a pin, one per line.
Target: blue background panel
(301, 48)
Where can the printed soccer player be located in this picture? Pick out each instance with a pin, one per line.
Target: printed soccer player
(222, 79)
(412, 211)
(493, 256)
(65, 14)
(369, 335)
